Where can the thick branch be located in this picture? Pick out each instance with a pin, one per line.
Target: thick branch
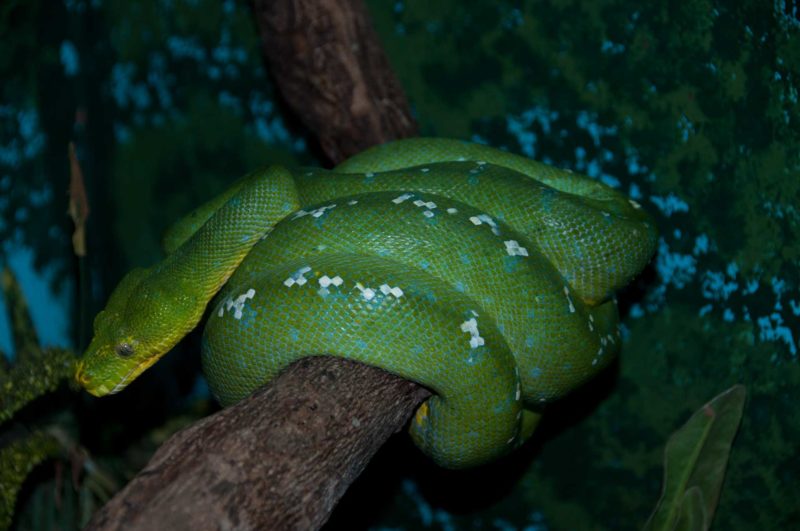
(280, 459)
(330, 67)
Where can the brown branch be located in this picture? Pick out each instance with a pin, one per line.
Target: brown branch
(330, 67)
(78, 202)
(280, 459)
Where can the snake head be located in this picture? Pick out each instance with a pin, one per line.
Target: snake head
(138, 326)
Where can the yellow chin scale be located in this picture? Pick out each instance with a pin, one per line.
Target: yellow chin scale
(100, 387)
(422, 413)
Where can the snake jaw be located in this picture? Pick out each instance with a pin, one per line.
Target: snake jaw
(101, 389)
(133, 374)
(84, 379)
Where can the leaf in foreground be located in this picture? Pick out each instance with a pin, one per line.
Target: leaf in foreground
(695, 460)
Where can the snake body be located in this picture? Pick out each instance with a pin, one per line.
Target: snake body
(485, 276)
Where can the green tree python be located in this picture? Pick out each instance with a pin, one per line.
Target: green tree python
(482, 275)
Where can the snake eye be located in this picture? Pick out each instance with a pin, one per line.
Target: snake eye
(124, 350)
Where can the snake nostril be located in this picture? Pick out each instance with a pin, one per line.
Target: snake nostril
(81, 377)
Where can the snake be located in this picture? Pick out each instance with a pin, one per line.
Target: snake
(482, 275)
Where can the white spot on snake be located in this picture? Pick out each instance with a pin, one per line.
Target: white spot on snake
(425, 170)
(513, 248)
(326, 281)
(471, 327)
(400, 198)
(352, 202)
(569, 300)
(511, 440)
(428, 214)
(483, 218)
(426, 204)
(634, 204)
(320, 211)
(237, 304)
(297, 277)
(452, 210)
(461, 159)
(317, 212)
(367, 293)
(386, 289)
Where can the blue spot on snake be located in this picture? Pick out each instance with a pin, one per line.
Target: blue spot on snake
(511, 262)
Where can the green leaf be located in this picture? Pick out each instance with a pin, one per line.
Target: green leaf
(694, 465)
(693, 515)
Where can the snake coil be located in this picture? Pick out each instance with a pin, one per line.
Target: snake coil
(485, 276)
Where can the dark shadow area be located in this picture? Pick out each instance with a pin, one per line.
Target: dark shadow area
(460, 492)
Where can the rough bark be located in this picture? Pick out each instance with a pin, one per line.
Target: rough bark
(280, 459)
(330, 67)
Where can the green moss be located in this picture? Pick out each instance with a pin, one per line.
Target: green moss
(32, 378)
(17, 460)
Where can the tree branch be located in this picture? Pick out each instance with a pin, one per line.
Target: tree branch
(279, 459)
(330, 67)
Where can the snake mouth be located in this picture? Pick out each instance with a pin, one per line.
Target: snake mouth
(103, 388)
